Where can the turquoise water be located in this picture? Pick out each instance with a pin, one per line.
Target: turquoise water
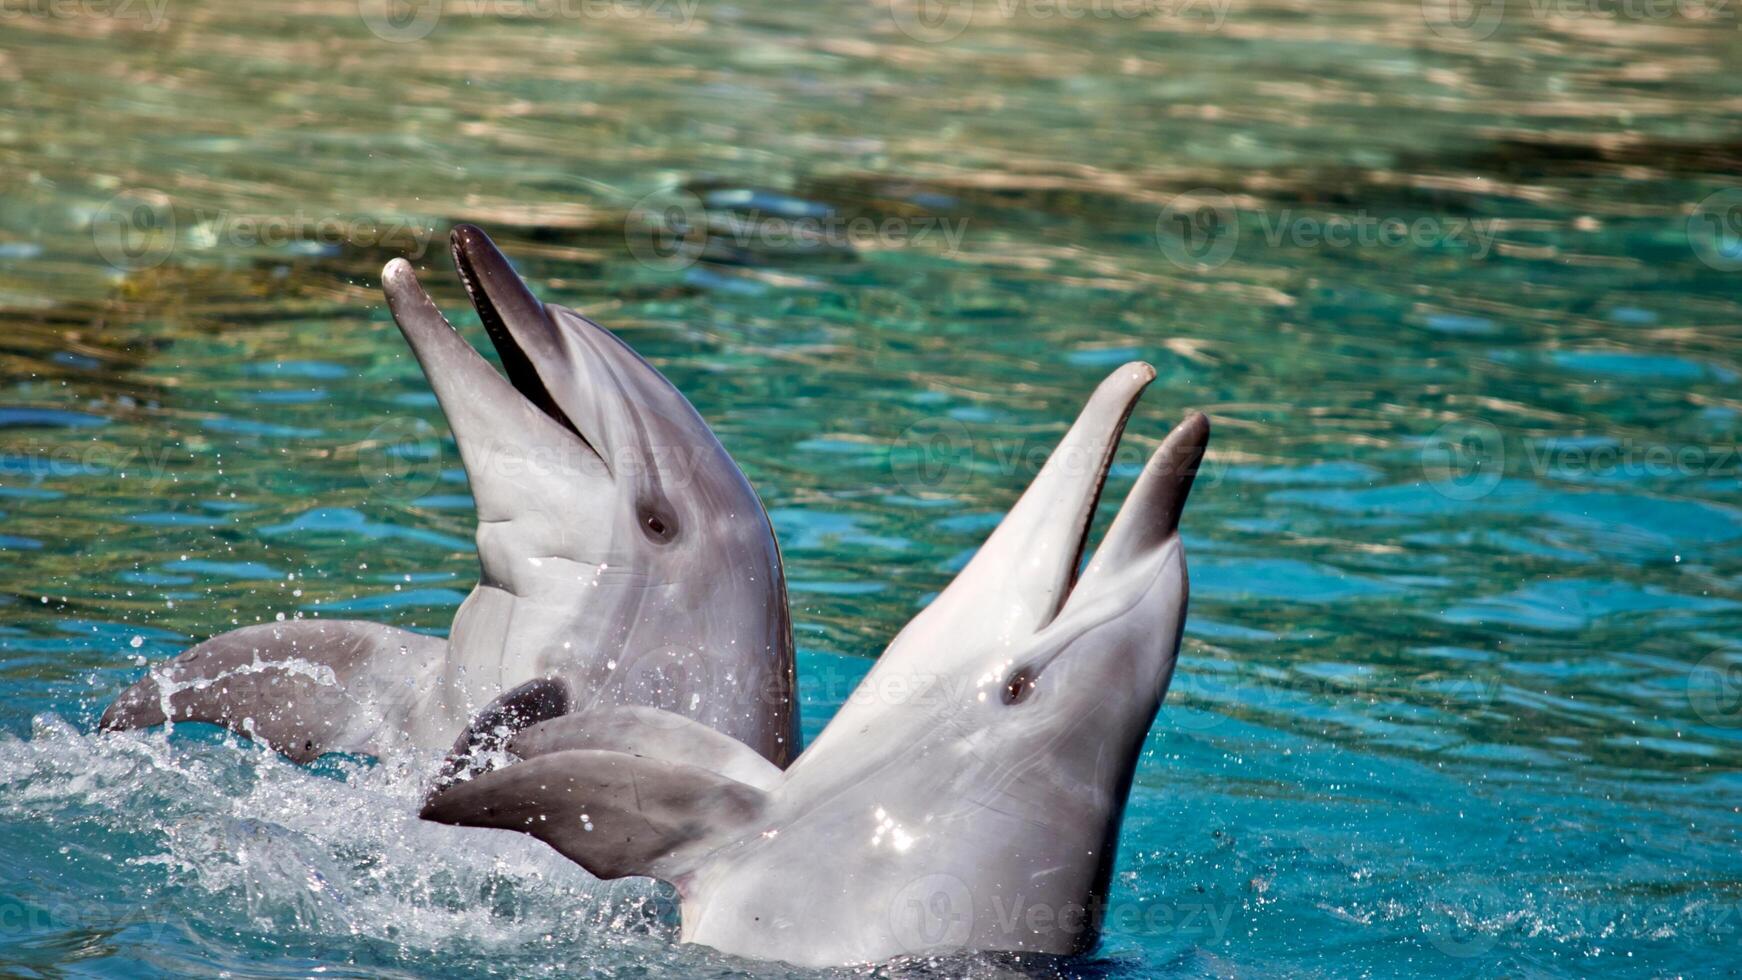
(1461, 692)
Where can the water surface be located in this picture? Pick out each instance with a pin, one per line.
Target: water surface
(1461, 689)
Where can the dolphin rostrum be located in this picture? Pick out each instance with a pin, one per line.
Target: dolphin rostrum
(968, 796)
(623, 560)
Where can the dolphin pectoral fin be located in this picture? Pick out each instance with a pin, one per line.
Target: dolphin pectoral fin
(502, 719)
(652, 733)
(612, 813)
(305, 687)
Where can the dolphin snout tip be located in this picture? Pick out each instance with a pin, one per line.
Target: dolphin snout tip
(396, 272)
(1124, 384)
(467, 235)
(1194, 429)
(1183, 449)
(1141, 372)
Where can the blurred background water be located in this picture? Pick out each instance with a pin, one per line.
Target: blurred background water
(1461, 690)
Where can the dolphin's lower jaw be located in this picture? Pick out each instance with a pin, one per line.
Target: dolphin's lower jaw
(969, 795)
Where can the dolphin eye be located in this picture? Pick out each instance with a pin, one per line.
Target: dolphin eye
(1019, 687)
(659, 525)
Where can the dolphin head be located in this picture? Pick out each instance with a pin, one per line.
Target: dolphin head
(620, 548)
(1023, 641)
(582, 441)
(1020, 646)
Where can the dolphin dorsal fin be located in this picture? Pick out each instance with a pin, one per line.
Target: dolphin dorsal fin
(613, 813)
(652, 733)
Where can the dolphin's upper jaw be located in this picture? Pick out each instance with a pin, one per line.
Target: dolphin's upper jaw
(517, 323)
(1094, 484)
(1026, 571)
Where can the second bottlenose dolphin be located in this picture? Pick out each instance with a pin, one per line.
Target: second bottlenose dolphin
(968, 797)
(623, 560)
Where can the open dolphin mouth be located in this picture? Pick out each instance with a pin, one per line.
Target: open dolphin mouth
(534, 352)
(1033, 559)
(1038, 548)
(1094, 481)
(512, 316)
(1151, 511)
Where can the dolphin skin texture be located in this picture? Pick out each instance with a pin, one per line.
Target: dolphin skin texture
(623, 558)
(969, 795)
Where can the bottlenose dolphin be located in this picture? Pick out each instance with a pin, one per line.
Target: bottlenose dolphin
(968, 796)
(623, 560)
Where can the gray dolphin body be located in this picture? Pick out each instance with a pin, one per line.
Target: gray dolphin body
(967, 797)
(624, 560)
